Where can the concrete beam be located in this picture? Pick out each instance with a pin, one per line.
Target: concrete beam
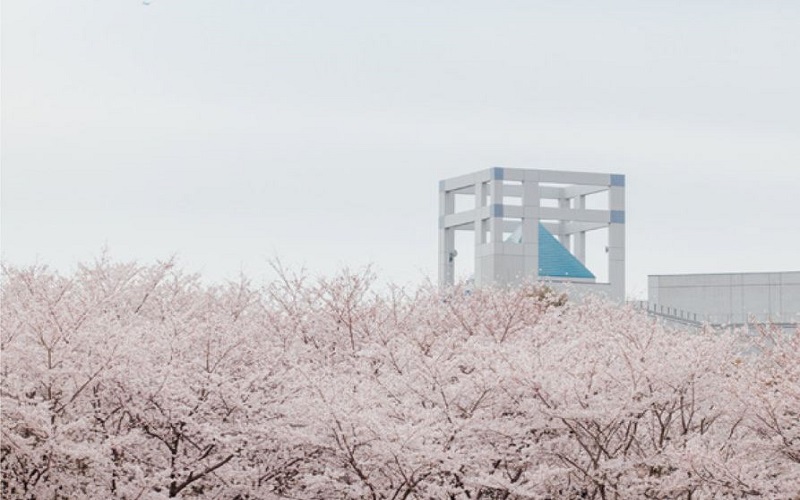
(575, 214)
(583, 178)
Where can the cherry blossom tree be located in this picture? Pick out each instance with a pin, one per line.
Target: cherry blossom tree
(140, 381)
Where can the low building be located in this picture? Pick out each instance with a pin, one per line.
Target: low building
(727, 298)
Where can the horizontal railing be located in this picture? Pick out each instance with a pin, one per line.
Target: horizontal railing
(671, 313)
(676, 315)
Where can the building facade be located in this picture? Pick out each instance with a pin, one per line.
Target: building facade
(727, 298)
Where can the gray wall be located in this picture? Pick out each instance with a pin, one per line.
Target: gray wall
(729, 298)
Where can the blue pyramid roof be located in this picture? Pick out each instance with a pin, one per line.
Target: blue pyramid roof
(555, 260)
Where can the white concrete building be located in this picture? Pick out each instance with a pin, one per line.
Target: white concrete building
(533, 224)
(723, 299)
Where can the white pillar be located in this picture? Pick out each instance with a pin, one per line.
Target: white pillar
(563, 238)
(480, 225)
(616, 239)
(530, 224)
(580, 237)
(481, 190)
(447, 241)
(496, 210)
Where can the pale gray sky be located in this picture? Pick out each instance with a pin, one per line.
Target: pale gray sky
(231, 132)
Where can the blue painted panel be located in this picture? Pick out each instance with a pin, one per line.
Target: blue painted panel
(497, 174)
(618, 216)
(497, 210)
(556, 261)
(617, 180)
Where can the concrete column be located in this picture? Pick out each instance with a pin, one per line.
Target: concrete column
(447, 240)
(481, 190)
(480, 225)
(580, 238)
(562, 237)
(616, 260)
(530, 225)
(496, 210)
(616, 239)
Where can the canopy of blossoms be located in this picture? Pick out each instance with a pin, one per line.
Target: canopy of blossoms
(139, 381)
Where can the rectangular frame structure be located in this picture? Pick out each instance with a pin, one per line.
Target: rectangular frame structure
(500, 262)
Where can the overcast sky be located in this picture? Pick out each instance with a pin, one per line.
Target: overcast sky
(316, 131)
